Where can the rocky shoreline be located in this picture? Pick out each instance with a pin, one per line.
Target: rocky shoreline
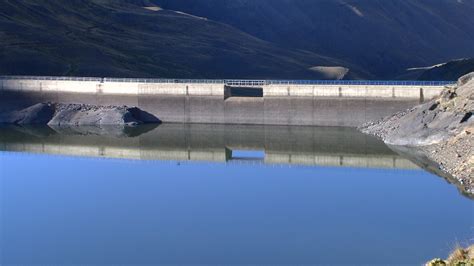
(441, 130)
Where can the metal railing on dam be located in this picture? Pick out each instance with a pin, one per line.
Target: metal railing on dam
(240, 82)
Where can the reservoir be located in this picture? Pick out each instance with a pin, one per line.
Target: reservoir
(220, 194)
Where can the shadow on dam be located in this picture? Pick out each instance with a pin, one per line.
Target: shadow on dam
(275, 145)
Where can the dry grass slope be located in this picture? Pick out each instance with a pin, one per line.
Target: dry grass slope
(459, 257)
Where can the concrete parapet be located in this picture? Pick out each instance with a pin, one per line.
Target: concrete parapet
(347, 91)
(216, 89)
(162, 89)
(205, 90)
(117, 88)
(114, 88)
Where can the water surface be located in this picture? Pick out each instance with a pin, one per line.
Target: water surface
(208, 194)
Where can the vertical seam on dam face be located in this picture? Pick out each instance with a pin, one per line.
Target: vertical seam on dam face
(187, 111)
(212, 102)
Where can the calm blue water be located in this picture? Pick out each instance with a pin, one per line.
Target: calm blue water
(67, 210)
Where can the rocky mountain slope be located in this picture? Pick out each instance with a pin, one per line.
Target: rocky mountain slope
(442, 130)
(282, 39)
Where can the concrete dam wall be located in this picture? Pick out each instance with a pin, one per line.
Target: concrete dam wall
(321, 103)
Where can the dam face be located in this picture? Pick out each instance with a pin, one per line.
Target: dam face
(301, 103)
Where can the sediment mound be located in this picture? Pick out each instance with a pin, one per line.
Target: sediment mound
(58, 114)
(442, 129)
(38, 114)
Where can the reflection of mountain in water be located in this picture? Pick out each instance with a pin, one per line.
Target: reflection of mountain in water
(213, 143)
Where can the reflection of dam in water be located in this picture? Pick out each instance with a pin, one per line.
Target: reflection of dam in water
(211, 143)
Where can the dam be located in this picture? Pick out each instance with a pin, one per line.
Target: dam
(253, 102)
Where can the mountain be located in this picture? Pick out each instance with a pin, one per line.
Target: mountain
(131, 39)
(384, 37)
(277, 39)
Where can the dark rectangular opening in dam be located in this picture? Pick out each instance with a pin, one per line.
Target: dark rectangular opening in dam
(243, 92)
